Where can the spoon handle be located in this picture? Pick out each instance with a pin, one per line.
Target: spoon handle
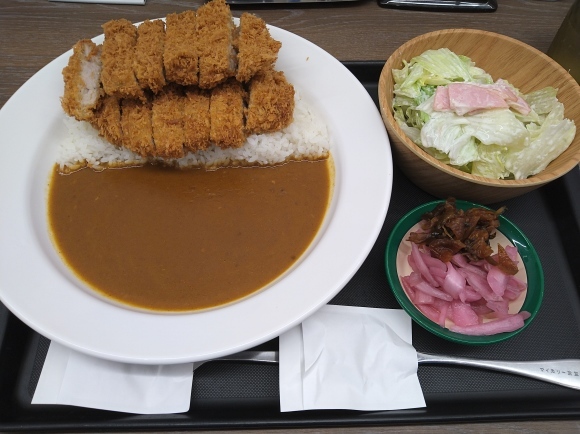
(564, 372)
(245, 356)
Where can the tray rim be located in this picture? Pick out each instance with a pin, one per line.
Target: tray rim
(436, 413)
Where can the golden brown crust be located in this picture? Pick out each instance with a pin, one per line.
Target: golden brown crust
(148, 61)
(153, 70)
(196, 119)
(181, 49)
(215, 33)
(107, 120)
(136, 127)
(118, 53)
(257, 50)
(167, 121)
(82, 89)
(270, 104)
(227, 115)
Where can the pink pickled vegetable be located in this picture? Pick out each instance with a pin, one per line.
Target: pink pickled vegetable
(468, 295)
(480, 285)
(508, 324)
(408, 288)
(433, 263)
(438, 272)
(463, 314)
(430, 312)
(481, 309)
(443, 314)
(454, 282)
(501, 308)
(474, 270)
(497, 280)
(423, 298)
(421, 266)
(431, 290)
(473, 294)
(459, 260)
(512, 253)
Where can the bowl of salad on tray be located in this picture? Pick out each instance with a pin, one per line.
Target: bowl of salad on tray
(464, 272)
(478, 115)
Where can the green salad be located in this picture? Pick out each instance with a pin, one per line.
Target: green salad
(457, 113)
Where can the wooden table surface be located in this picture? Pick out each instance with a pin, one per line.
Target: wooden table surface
(33, 32)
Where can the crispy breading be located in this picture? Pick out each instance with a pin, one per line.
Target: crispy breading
(167, 121)
(107, 120)
(82, 86)
(181, 48)
(196, 119)
(227, 115)
(154, 69)
(270, 103)
(257, 50)
(136, 127)
(215, 33)
(118, 53)
(148, 60)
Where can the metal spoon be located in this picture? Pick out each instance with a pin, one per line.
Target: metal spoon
(564, 372)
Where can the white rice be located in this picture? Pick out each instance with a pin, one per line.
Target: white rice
(306, 138)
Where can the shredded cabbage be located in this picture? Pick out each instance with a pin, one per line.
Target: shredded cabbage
(499, 143)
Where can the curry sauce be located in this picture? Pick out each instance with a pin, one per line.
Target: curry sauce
(180, 240)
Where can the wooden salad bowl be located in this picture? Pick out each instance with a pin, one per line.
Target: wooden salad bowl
(524, 67)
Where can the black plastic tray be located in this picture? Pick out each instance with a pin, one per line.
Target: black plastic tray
(228, 395)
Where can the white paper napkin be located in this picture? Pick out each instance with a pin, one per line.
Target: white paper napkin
(112, 2)
(345, 357)
(72, 378)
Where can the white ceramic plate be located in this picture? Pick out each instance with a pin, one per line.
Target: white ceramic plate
(42, 292)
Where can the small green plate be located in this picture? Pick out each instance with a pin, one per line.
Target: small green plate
(531, 262)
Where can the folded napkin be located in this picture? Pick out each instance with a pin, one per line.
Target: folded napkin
(354, 358)
(72, 378)
(111, 2)
(341, 357)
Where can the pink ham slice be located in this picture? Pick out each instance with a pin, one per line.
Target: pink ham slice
(465, 98)
(441, 99)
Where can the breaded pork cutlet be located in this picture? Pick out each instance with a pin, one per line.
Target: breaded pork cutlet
(257, 50)
(148, 60)
(107, 120)
(136, 127)
(82, 85)
(181, 49)
(215, 35)
(118, 53)
(196, 119)
(270, 103)
(227, 115)
(167, 121)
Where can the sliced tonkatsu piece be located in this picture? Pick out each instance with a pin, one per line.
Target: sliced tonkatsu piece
(215, 35)
(270, 103)
(136, 127)
(118, 53)
(196, 119)
(181, 49)
(82, 85)
(107, 120)
(227, 115)
(148, 60)
(257, 50)
(167, 121)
